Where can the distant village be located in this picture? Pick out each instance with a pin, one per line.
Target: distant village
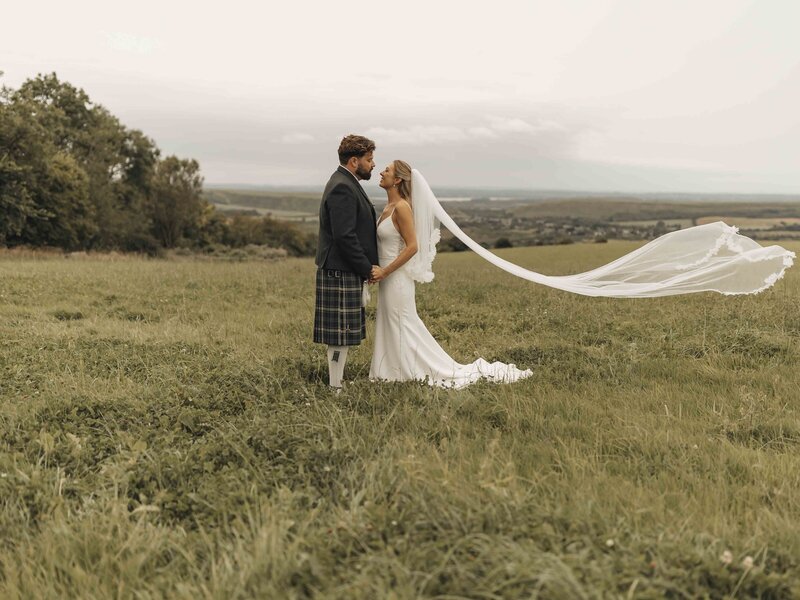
(548, 221)
(497, 229)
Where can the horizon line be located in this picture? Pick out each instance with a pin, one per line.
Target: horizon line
(319, 188)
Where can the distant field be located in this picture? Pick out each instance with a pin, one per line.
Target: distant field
(773, 224)
(751, 223)
(782, 234)
(166, 432)
(293, 202)
(284, 215)
(629, 211)
(682, 223)
(301, 206)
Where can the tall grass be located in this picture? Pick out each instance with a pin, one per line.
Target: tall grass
(165, 431)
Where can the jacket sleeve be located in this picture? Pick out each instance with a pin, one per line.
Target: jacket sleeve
(343, 214)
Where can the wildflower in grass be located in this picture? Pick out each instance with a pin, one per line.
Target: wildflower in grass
(726, 558)
(610, 543)
(747, 562)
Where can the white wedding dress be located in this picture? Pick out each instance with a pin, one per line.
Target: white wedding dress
(404, 348)
(706, 258)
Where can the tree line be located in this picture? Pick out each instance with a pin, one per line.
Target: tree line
(72, 176)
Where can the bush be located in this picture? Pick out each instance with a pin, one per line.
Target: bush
(452, 244)
(265, 231)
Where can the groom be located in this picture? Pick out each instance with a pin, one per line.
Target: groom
(347, 254)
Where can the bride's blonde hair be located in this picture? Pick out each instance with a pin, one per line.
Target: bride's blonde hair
(402, 171)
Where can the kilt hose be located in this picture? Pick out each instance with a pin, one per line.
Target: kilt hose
(339, 318)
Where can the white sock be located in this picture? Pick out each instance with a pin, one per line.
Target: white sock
(337, 355)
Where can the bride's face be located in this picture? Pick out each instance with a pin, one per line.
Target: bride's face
(387, 177)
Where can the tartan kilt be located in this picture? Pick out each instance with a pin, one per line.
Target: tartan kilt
(339, 317)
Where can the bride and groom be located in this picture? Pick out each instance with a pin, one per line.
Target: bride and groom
(394, 250)
(357, 247)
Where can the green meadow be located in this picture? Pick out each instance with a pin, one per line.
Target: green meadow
(166, 432)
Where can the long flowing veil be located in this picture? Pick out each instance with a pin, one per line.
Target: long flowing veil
(705, 258)
(426, 225)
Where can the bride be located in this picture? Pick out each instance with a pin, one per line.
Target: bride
(404, 348)
(706, 258)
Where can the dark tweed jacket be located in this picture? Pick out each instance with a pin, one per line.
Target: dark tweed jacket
(347, 230)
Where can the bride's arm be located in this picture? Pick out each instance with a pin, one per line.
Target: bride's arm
(405, 225)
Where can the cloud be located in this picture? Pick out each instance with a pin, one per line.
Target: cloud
(297, 138)
(445, 134)
(418, 135)
(481, 132)
(127, 42)
(514, 125)
(663, 162)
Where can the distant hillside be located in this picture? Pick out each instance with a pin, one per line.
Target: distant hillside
(295, 202)
(522, 219)
(627, 210)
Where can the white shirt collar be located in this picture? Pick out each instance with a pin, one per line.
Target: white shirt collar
(351, 174)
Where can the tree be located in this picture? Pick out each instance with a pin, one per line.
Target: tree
(176, 208)
(243, 230)
(22, 150)
(69, 222)
(124, 219)
(43, 191)
(44, 197)
(453, 244)
(71, 174)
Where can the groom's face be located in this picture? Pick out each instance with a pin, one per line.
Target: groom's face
(365, 165)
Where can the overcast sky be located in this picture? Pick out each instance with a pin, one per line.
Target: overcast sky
(625, 95)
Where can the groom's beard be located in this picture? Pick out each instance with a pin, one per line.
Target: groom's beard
(363, 174)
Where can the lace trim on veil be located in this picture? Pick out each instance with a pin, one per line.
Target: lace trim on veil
(725, 240)
(771, 279)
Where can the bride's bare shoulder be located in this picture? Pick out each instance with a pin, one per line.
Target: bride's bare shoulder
(402, 210)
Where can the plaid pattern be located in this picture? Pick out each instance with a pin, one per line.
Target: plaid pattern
(339, 318)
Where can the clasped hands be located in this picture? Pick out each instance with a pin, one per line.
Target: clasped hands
(377, 275)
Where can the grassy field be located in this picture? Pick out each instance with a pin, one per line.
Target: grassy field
(165, 431)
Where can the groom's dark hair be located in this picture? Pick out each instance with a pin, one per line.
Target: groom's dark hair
(354, 145)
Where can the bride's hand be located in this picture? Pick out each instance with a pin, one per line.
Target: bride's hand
(378, 274)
